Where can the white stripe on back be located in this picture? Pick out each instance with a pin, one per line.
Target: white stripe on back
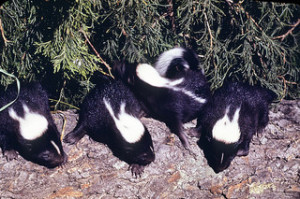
(32, 126)
(227, 131)
(130, 127)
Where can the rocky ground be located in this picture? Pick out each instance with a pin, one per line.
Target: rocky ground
(271, 170)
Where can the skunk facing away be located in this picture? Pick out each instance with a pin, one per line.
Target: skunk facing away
(228, 122)
(173, 100)
(110, 114)
(27, 127)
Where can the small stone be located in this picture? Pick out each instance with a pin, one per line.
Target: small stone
(174, 177)
(293, 188)
(216, 189)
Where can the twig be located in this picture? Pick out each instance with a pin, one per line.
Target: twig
(282, 37)
(209, 30)
(2, 32)
(285, 82)
(60, 95)
(61, 114)
(98, 55)
(171, 14)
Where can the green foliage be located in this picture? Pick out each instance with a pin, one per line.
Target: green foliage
(65, 42)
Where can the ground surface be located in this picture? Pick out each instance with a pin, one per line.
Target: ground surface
(271, 170)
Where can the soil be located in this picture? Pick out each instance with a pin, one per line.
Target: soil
(271, 170)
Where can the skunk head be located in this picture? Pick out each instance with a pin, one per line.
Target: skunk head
(175, 62)
(218, 154)
(220, 142)
(131, 141)
(38, 139)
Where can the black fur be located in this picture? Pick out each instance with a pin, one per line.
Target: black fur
(40, 150)
(253, 102)
(164, 104)
(95, 120)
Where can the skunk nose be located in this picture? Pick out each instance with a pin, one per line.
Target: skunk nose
(147, 158)
(220, 168)
(58, 160)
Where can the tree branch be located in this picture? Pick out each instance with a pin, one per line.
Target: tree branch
(282, 37)
(2, 32)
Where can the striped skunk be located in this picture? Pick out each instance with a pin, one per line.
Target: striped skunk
(173, 100)
(110, 114)
(228, 122)
(27, 127)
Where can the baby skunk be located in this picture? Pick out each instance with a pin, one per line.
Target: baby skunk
(172, 101)
(27, 127)
(110, 115)
(228, 122)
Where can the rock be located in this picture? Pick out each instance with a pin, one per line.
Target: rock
(271, 170)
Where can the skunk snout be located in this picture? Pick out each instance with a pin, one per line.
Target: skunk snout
(146, 158)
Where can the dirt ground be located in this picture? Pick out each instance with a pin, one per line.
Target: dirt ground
(271, 170)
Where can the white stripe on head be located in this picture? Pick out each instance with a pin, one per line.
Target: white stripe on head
(227, 131)
(150, 75)
(32, 126)
(56, 147)
(165, 59)
(130, 127)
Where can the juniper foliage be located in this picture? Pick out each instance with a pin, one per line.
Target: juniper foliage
(65, 43)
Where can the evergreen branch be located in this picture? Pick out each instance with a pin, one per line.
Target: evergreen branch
(98, 55)
(282, 37)
(152, 26)
(240, 7)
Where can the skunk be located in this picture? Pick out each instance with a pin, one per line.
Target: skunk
(27, 127)
(110, 114)
(176, 61)
(173, 101)
(228, 122)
